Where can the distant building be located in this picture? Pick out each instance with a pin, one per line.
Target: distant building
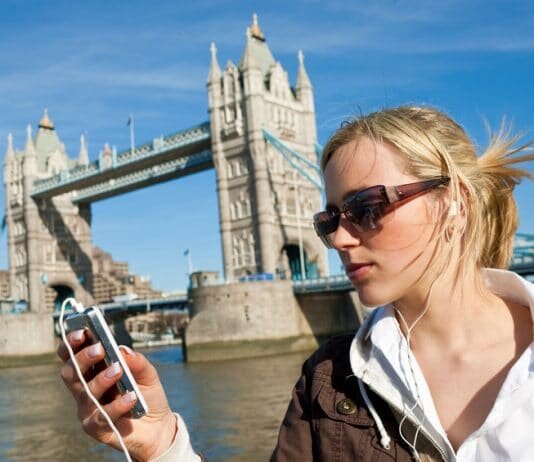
(112, 279)
(157, 325)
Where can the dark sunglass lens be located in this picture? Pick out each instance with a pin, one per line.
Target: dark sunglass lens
(326, 241)
(325, 223)
(373, 213)
(365, 217)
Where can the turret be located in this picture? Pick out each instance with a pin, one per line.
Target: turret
(29, 149)
(304, 87)
(8, 162)
(10, 152)
(215, 106)
(304, 92)
(214, 82)
(249, 61)
(45, 121)
(253, 84)
(83, 157)
(29, 162)
(215, 71)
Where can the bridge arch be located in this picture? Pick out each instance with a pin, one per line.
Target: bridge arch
(289, 266)
(58, 289)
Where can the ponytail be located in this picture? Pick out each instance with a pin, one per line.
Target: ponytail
(494, 179)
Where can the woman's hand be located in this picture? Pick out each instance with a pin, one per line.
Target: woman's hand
(145, 438)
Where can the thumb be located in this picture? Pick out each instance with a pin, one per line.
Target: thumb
(143, 371)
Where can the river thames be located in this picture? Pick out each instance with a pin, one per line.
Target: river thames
(233, 409)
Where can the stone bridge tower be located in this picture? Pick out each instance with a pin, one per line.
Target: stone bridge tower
(49, 241)
(264, 204)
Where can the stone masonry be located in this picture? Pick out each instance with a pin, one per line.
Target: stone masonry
(259, 216)
(49, 242)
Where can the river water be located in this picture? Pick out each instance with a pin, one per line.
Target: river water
(233, 409)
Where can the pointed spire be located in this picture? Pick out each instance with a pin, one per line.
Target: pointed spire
(255, 30)
(303, 81)
(257, 54)
(248, 60)
(10, 152)
(45, 121)
(83, 157)
(29, 149)
(215, 70)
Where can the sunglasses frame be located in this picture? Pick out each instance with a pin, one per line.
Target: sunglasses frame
(365, 207)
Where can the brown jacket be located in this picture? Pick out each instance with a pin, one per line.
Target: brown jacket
(327, 419)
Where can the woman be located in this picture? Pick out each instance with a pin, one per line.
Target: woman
(442, 370)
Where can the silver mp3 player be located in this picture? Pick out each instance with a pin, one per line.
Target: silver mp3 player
(93, 319)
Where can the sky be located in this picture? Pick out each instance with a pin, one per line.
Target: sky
(93, 63)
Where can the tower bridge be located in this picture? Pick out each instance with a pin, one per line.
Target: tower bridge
(260, 138)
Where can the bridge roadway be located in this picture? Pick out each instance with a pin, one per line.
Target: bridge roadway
(163, 159)
(133, 307)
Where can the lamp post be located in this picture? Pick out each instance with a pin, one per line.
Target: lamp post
(299, 227)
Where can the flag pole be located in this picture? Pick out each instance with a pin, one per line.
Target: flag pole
(132, 140)
(189, 262)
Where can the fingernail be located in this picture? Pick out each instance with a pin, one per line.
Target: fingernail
(94, 350)
(128, 350)
(112, 370)
(129, 397)
(76, 335)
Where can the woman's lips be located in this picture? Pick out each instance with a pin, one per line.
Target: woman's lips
(358, 271)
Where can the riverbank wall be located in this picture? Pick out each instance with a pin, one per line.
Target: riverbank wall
(263, 318)
(26, 334)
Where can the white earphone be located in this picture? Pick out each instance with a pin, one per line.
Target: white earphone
(453, 209)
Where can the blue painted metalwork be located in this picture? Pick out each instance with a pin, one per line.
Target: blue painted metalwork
(84, 176)
(523, 255)
(140, 178)
(141, 306)
(319, 152)
(293, 157)
(282, 147)
(324, 284)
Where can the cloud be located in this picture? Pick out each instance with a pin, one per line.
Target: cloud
(406, 27)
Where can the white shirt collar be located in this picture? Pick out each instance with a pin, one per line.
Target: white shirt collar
(387, 337)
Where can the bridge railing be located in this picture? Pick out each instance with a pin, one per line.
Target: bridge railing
(157, 146)
(130, 180)
(322, 284)
(139, 305)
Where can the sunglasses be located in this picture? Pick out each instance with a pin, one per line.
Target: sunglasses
(364, 208)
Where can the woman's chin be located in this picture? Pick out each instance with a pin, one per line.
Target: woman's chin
(371, 299)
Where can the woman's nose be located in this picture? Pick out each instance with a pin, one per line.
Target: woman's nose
(345, 236)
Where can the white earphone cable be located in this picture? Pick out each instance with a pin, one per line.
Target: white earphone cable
(417, 402)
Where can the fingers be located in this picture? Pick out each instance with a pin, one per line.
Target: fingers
(103, 381)
(143, 371)
(96, 425)
(98, 386)
(85, 358)
(76, 339)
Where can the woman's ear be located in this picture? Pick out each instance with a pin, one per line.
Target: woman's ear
(455, 211)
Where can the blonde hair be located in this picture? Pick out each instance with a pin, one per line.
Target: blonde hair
(434, 145)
